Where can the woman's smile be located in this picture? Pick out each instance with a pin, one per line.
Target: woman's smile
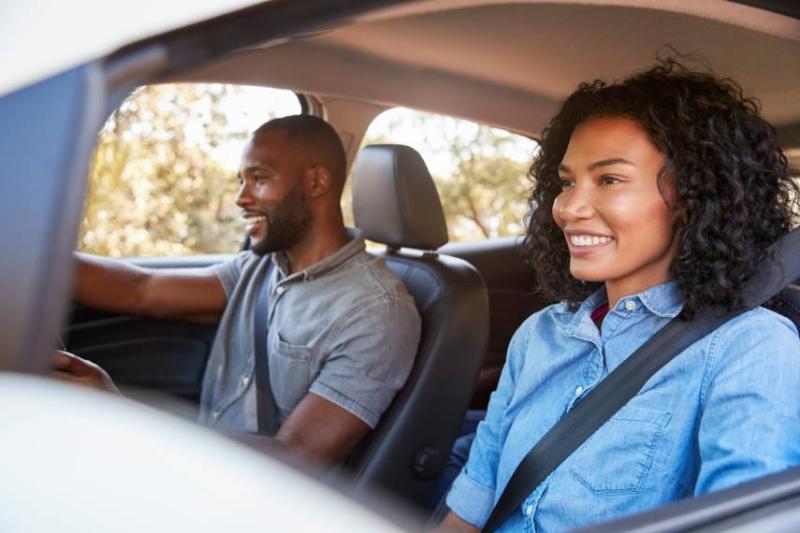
(586, 243)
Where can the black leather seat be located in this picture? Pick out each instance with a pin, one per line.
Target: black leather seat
(395, 203)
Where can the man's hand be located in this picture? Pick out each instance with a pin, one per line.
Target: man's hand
(70, 367)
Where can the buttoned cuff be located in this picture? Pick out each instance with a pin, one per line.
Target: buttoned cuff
(472, 502)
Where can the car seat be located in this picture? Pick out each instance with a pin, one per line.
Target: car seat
(395, 203)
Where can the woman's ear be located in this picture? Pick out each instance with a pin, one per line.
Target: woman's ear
(319, 179)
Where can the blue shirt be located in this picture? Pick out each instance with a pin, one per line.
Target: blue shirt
(724, 411)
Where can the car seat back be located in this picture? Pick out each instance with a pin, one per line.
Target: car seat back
(395, 203)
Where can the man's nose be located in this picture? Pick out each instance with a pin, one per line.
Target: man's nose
(577, 204)
(243, 197)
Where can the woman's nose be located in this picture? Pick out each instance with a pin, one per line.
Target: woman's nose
(576, 204)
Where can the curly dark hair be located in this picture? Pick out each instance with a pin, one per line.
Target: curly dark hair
(733, 189)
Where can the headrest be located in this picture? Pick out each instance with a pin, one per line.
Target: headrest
(394, 199)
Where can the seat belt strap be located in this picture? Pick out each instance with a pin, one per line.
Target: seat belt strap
(267, 410)
(779, 269)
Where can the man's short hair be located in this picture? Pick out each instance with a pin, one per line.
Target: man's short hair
(317, 138)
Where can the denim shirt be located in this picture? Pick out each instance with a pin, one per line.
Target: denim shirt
(724, 411)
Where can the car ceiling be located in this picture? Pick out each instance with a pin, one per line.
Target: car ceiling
(510, 63)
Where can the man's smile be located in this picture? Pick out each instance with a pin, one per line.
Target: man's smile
(255, 223)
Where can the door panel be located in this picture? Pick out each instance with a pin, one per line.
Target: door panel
(511, 300)
(46, 134)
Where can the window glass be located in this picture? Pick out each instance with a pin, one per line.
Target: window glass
(163, 178)
(479, 171)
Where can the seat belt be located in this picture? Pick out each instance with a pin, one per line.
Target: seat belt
(779, 269)
(267, 410)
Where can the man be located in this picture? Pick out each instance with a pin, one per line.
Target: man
(343, 330)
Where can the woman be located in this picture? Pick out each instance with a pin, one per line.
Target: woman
(654, 197)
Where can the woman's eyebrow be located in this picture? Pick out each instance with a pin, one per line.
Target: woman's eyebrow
(602, 163)
(609, 162)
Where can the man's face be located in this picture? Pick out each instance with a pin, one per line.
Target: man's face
(272, 196)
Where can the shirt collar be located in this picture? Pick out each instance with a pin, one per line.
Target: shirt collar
(662, 300)
(353, 247)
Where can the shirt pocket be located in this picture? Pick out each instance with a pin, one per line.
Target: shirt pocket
(289, 370)
(618, 457)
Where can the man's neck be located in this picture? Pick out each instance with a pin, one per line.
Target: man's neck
(317, 245)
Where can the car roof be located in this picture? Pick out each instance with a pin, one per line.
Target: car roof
(509, 63)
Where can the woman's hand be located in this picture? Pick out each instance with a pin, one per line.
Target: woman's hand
(70, 367)
(453, 524)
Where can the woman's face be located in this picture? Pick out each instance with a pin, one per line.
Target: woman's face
(617, 224)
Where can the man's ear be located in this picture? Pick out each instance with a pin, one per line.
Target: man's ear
(320, 180)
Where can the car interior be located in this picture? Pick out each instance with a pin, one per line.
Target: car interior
(502, 63)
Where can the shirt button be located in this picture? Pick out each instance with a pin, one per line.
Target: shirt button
(280, 290)
(529, 510)
(578, 391)
(245, 381)
(630, 305)
(215, 415)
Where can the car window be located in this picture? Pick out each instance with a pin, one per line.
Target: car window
(479, 171)
(162, 181)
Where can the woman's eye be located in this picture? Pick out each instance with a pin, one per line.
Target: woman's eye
(566, 182)
(609, 180)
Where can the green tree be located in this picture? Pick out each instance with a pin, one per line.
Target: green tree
(153, 187)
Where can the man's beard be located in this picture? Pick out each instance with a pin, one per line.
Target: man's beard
(287, 223)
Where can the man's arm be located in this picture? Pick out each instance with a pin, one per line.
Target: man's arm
(320, 431)
(375, 350)
(196, 295)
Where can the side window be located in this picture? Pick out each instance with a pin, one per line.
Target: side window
(163, 178)
(479, 171)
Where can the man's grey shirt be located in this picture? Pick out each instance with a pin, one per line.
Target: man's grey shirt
(344, 329)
